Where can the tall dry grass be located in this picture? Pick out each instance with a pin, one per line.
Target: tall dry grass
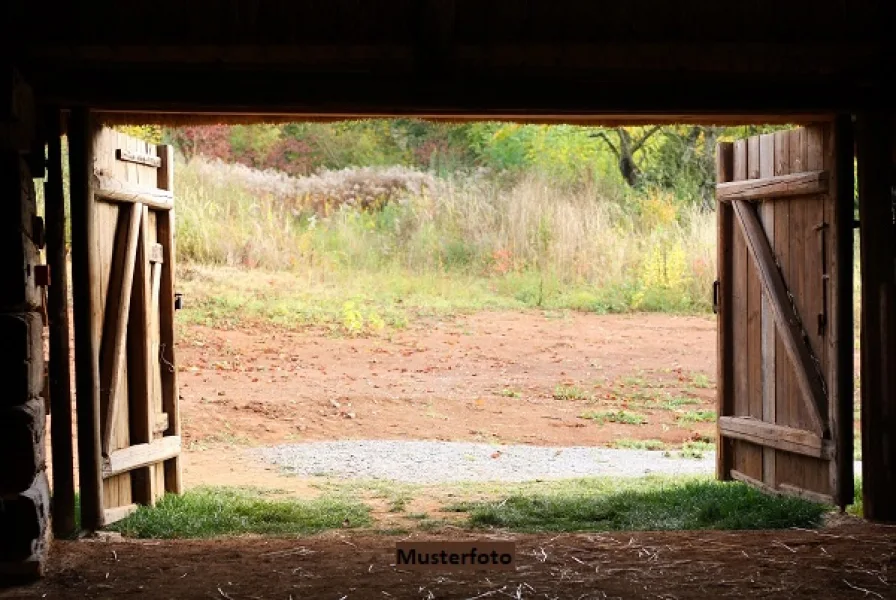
(531, 238)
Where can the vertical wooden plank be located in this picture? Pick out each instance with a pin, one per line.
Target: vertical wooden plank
(768, 334)
(783, 367)
(876, 147)
(142, 415)
(804, 282)
(173, 477)
(59, 368)
(747, 456)
(154, 342)
(118, 305)
(838, 160)
(85, 274)
(725, 348)
(815, 288)
(797, 237)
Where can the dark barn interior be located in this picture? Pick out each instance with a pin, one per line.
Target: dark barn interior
(66, 67)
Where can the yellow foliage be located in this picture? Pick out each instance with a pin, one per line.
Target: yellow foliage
(147, 133)
(664, 267)
(658, 209)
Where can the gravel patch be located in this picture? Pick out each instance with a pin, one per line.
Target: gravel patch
(446, 462)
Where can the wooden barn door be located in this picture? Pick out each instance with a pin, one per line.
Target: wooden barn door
(130, 250)
(784, 299)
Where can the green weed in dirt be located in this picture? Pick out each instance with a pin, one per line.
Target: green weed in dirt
(570, 392)
(697, 416)
(639, 444)
(624, 417)
(210, 512)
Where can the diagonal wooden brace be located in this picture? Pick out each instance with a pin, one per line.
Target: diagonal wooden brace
(786, 319)
(118, 305)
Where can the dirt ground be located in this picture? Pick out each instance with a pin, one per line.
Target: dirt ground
(490, 377)
(852, 560)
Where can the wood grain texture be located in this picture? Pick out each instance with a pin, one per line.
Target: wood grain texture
(61, 425)
(771, 186)
(115, 330)
(170, 397)
(724, 345)
(801, 356)
(141, 455)
(770, 435)
(768, 335)
(86, 307)
(747, 456)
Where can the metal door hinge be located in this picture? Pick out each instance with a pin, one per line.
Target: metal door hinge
(716, 285)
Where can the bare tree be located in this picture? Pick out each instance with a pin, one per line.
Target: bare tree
(625, 150)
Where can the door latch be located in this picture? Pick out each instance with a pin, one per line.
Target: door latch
(178, 301)
(715, 296)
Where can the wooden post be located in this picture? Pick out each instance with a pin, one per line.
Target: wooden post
(875, 146)
(60, 370)
(170, 398)
(725, 375)
(85, 274)
(842, 307)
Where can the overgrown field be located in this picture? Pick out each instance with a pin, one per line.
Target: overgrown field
(366, 246)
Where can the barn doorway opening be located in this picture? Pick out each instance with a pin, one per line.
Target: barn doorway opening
(376, 309)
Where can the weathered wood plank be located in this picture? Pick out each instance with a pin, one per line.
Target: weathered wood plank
(769, 373)
(787, 320)
(115, 331)
(170, 400)
(775, 186)
(142, 415)
(85, 273)
(60, 358)
(725, 347)
(783, 489)
(111, 189)
(753, 340)
(747, 457)
(111, 515)
(789, 439)
(799, 492)
(141, 455)
(783, 367)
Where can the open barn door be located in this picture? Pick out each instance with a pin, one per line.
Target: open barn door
(130, 417)
(784, 300)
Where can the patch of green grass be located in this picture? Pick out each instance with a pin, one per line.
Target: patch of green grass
(676, 402)
(398, 504)
(209, 512)
(857, 508)
(694, 504)
(695, 450)
(570, 392)
(639, 444)
(697, 416)
(509, 393)
(700, 380)
(623, 417)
